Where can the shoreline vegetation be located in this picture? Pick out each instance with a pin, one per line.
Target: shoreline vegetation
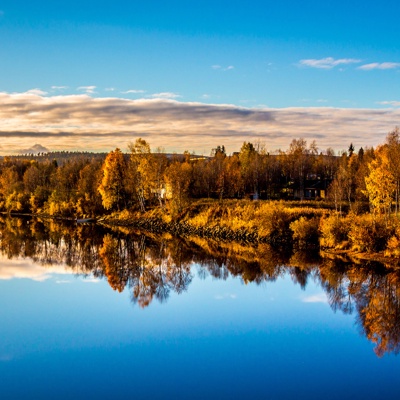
(347, 203)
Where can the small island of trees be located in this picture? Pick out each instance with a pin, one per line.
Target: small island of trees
(346, 201)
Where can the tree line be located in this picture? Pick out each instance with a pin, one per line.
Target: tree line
(89, 185)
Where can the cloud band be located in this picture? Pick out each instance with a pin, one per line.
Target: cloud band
(78, 122)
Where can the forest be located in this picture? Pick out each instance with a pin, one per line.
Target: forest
(353, 196)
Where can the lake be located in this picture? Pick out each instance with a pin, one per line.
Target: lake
(88, 312)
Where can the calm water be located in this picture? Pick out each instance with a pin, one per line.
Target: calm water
(89, 313)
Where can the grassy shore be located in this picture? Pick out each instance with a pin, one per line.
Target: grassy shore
(302, 224)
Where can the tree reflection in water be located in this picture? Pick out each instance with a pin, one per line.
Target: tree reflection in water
(152, 266)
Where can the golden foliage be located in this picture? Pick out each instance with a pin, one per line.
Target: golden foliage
(368, 234)
(380, 183)
(112, 187)
(305, 231)
(334, 231)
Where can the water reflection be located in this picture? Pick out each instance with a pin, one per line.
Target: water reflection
(151, 267)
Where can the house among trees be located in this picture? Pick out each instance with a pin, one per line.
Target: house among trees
(316, 189)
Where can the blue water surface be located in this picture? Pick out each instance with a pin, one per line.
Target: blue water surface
(67, 336)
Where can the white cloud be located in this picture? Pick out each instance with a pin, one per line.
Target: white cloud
(134, 91)
(36, 92)
(110, 89)
(59, 87)
(317, 298)
(219, 67)
(165, 95)
(87, 89)
(392, 103)
(384, 65)
(328, 62)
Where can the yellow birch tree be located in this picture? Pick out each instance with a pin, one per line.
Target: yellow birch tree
(380, 183)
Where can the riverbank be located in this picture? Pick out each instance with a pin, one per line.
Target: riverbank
(254, 222)
(299, 224)
(303, 225)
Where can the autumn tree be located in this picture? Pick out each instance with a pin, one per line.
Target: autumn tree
(246, 156)
(11, 190)
(218, 170)
(64, 181)
(233, 183)
(342, 186)
(380, 183)
(178, 179)
(251, 160)
(298, 159)
(38, 182)
(393, 154)
(326, 164)
(89, 199)
(145, 173)
(364, 159)
(112, 186)
(202, 178)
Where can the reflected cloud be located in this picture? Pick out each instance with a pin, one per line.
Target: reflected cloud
(27, 269)
(91, 280)
(317, 298)
(225, 296)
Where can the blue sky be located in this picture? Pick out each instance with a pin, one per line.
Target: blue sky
(250, 55)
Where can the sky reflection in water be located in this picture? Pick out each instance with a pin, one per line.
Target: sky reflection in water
(69, 336)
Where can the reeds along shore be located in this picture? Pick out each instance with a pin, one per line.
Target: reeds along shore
(302, 224)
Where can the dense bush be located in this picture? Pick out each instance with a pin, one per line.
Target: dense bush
(369, 234)
(393, 245)
(274, 223)
(334, 231)
(305, 231)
